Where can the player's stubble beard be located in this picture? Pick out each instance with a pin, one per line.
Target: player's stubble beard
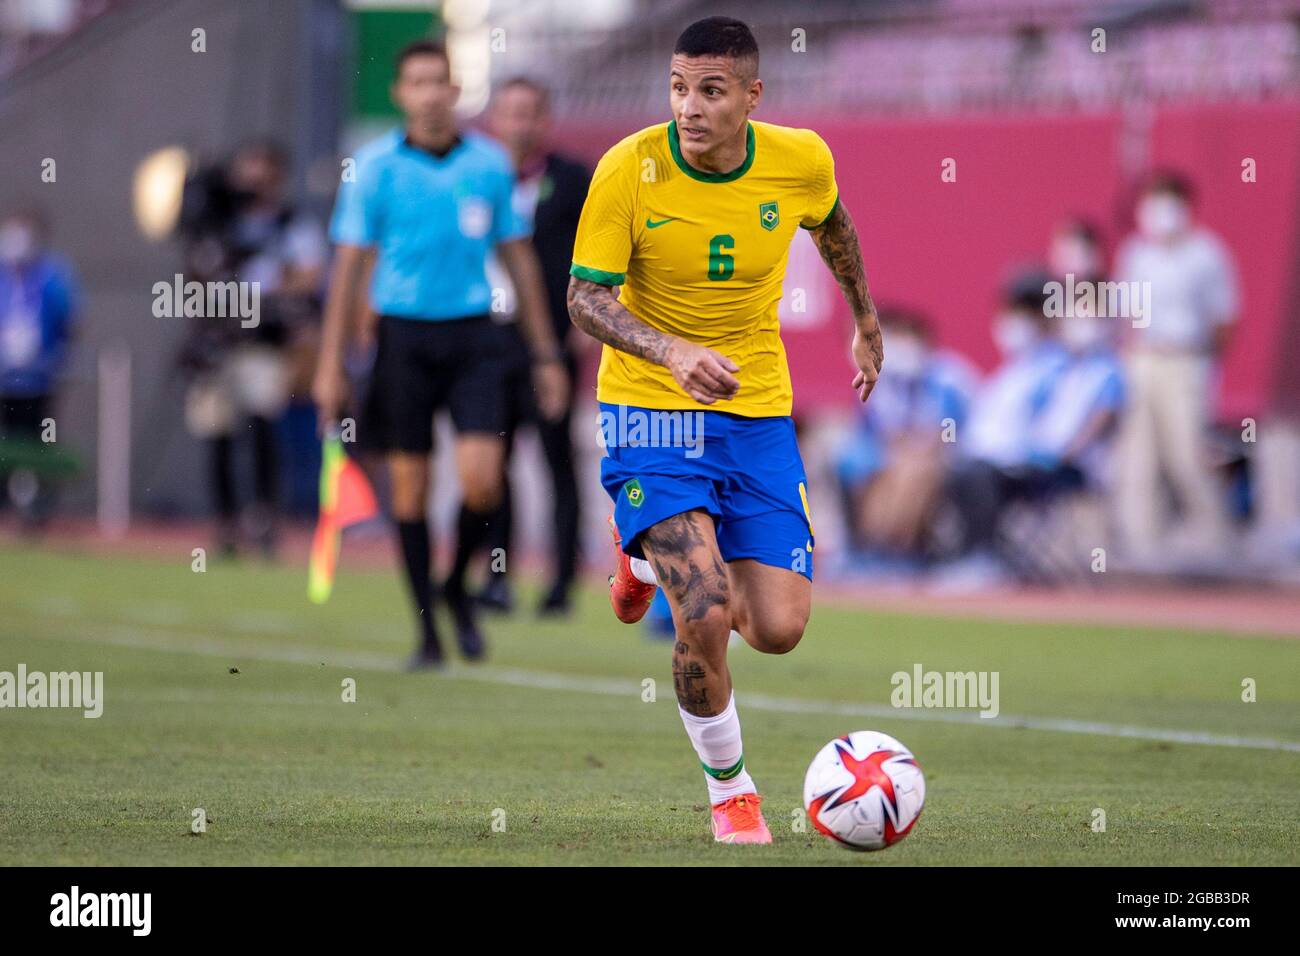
(717, 156)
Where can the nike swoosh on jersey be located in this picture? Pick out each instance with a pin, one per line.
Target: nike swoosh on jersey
(651, 224)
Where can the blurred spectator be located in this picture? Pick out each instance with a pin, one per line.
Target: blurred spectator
(38, 301)
(1192, 304)
(998, 463)
(1075, 250)
(240, 225)
(1071, 437)
(549, 193)
(891, 466)
(1074, 432)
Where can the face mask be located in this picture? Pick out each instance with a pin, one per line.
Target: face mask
(1162, 217)
(1071, 255)
(1013, 334)
(906, 356)
(16, 244)
(1081, 332)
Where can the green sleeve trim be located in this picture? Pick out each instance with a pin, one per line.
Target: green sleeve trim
(835, 205)
(597, 275)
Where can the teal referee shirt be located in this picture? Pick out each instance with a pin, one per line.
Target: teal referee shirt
(433, 220)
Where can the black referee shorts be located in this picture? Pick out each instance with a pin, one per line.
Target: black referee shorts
(422, 366)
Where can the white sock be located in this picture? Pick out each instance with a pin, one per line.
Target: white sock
(642, 571)
(717, 742)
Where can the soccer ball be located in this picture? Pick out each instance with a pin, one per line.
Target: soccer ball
(864, 790)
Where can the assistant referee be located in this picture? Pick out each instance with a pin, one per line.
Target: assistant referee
(426, 207)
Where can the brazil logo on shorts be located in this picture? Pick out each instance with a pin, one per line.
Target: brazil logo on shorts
(635, 496)
(769, 216)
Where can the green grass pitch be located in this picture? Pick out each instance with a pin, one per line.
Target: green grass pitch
(553, 739)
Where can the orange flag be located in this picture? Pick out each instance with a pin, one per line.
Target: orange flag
(346, 498)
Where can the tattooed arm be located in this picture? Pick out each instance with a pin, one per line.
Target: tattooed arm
(837, 241)
(703, 374)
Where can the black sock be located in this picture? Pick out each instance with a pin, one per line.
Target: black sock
(502, 523)
(413, 536)
(472, 530)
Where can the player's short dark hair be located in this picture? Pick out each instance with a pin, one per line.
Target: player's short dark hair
(424, 47)
(720, 36)
(536, 87)
(1170, 182)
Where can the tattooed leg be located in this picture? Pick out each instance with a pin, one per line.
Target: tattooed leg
(684, 553)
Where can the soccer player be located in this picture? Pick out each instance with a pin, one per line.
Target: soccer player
(427, 206)
(693, 219)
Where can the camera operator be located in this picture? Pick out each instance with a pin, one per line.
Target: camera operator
(238, 225)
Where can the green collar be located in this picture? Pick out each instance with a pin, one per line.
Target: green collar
(703, 177)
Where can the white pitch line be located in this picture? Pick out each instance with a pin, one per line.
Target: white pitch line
(130, 637)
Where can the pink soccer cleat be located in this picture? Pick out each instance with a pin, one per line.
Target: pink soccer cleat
(739, 820)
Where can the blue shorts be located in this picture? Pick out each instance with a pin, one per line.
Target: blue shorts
(745, 472)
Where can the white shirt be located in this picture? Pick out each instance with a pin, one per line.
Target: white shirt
(1193, 288)
(1091, 383)
(1006, 405)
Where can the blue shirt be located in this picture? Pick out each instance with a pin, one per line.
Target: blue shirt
(1009, 402)
(433, 220)
(1092, 382)
(907, 404)
(37, 306)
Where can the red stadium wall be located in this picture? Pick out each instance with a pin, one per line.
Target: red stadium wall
(948, 246)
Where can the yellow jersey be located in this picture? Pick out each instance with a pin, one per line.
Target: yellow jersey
(702, 256)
